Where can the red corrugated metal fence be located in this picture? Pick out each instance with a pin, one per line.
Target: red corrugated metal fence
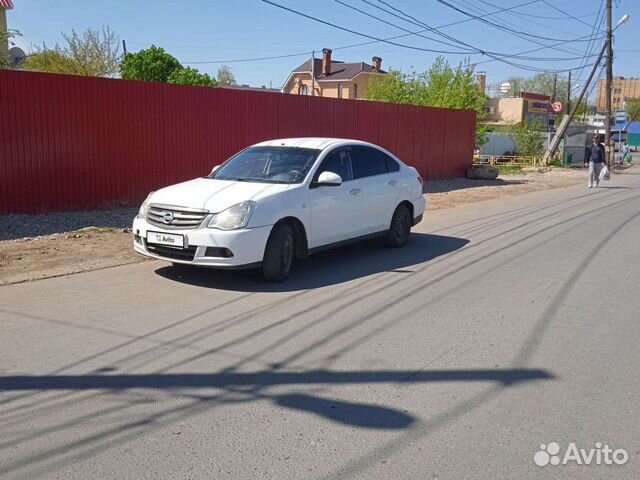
(79, 143)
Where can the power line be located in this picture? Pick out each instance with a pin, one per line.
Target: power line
(490, 54)
(414, 19)
(238, 60)
(315, 19)
(397, 26)
(565, 13)
(496, 25)
(592, 45)
(528, 16)
(494, 55)
(475, 50)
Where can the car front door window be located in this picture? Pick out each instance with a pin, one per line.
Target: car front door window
(336, 211)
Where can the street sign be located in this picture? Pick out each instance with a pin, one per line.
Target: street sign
(556, 107)
(621, 117)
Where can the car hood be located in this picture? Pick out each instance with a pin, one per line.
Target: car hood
(213, 195)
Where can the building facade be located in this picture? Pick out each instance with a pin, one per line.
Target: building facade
(622, 88)
(4, 6)
(331, 78)
(532, 107)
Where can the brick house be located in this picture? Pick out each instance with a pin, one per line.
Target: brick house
(332, 78)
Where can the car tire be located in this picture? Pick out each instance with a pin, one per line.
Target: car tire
(278, 254)
(400, 227)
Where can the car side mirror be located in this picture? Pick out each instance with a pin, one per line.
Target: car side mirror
(329, 179)
(214, 169)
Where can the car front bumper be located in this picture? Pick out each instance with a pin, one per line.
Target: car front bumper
(208, 247)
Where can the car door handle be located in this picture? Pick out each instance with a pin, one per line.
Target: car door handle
(393, 183)
(355, 191)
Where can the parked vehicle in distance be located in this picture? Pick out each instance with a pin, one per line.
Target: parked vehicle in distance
(279, 200)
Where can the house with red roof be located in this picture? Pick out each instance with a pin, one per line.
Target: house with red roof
(324, 77)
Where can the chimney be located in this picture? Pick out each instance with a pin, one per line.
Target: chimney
(377, 63)
(481, 77)
(326, 61)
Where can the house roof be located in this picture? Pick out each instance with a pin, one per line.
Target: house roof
(6, 4)
(339, 70)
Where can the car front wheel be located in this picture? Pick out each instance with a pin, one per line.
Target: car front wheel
(400, 227)
(278, 254)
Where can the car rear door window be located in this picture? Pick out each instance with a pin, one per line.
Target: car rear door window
(392, 165)
(368, 161)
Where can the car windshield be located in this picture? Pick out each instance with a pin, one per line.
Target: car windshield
(268, 165)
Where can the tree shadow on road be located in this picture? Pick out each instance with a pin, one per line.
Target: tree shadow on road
(326, 268)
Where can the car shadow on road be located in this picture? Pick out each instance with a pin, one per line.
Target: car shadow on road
(445, 186)
(326, 268)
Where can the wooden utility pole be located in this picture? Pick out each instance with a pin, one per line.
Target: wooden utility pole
(569, 93)
(608, 87)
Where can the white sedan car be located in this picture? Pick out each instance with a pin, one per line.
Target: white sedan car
(281, 199)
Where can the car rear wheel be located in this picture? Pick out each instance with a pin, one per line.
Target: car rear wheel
(400, 227)
(278, 254)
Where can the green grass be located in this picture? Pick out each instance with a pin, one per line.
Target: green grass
(509, 169)
(555, 163)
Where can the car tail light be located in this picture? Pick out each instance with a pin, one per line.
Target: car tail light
(420, 180)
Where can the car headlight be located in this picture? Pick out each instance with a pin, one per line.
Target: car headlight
(144, 208)
(234, 217)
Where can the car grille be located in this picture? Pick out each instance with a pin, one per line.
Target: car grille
(173, 253)
(175, 218)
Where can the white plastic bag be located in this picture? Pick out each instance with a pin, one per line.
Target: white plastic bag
(604, 173)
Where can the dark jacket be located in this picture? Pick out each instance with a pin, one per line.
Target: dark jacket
(597, 153)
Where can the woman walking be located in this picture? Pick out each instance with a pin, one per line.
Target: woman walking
(597, 158)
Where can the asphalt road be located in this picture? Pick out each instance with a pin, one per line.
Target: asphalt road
(500, 327)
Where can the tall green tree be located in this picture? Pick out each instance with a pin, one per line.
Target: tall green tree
(191, 76)
(152, 65)
(94, 53)
(440, 86)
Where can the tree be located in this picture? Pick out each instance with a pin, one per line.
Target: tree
(440, 86)
(633, 109)
(5, 37)
(541, 83)
(527, 137)
(93, 54)
(50, 61)
(225, 77)
(151, 65)
(191, 76)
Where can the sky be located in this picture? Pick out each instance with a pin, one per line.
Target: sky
(227, 30)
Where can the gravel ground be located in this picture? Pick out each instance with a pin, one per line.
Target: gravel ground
(443, 186)
(13, 227)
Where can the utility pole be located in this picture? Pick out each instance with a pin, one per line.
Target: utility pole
(124, 47)
(569, 92)
(555, 141)
(555, 87)
(608, 87)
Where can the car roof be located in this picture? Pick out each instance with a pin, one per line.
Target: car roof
(319, 143)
